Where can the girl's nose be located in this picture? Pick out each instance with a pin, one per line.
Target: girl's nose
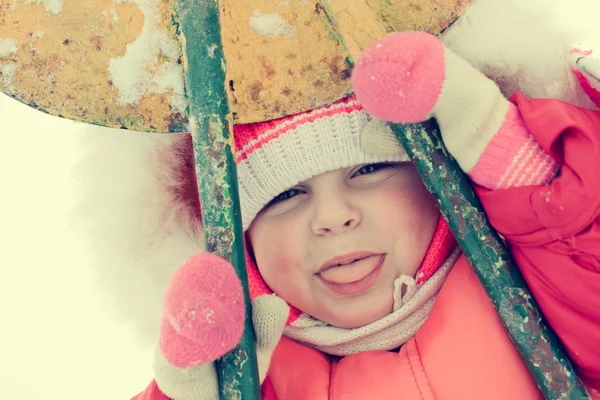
(334, 214)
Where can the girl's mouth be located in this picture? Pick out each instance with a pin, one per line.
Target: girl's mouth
(353, 277)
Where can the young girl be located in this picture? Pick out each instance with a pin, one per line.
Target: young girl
(359, 290)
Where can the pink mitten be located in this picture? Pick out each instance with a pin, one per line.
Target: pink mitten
(203, 319)
(409, 77)
(203, 315)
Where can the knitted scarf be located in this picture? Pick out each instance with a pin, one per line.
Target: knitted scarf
(413, 301)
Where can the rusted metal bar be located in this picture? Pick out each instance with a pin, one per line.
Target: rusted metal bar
(217, 176)
(535, 340)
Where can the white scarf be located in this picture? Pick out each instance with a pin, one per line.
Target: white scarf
(412, 305)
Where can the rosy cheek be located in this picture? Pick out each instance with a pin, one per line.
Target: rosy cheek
(408, 210)
(278, 250)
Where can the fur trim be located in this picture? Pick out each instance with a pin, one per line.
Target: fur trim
(138, 229)
(520, 45)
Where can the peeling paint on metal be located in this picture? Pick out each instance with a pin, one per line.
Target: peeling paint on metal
(216, 191)
(217, 177)
(211, 50)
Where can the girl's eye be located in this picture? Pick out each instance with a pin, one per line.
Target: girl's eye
(371, 169)
(288, 194)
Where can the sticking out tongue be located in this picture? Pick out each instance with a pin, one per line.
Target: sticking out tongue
(351, 272)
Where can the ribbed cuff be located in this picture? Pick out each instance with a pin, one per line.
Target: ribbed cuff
(197, 383)
(513, 158)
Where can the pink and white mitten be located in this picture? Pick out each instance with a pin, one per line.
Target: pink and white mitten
(410, 77)
(203, 318)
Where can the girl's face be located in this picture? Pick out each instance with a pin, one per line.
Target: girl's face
(333, 245)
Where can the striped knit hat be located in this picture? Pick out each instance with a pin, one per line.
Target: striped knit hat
(275, 155)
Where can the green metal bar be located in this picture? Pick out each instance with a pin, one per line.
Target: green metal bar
(217, 175)
(537, 343)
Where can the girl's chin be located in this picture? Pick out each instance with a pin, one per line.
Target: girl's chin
(359, 317)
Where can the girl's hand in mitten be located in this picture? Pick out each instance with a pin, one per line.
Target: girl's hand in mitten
(410, 77)
(203, 319)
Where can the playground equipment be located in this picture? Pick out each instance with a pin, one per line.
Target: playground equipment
(202, 65)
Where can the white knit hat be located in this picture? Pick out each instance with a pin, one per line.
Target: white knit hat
(275, 155)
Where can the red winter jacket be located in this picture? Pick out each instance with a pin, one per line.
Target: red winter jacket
(462, 351)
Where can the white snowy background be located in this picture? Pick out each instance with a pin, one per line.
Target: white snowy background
(58, 337)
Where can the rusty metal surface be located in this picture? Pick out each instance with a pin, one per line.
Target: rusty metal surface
(363, 21)
(109, 63)
(117, 63)
(283, 57)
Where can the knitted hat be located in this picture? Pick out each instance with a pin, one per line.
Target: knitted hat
(275, 155)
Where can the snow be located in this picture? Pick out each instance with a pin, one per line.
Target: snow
(7, 47)
(59, 337)
(270, 25)
(53, 6)
(136, 73)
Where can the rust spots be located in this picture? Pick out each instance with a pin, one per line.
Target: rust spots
(318, 83)
(267, 68)
(416, 6)
(286, 91)
(291, 56)
(338, 71)
(334, 69)
(255, 90)
(319, 10)
(96, 41)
